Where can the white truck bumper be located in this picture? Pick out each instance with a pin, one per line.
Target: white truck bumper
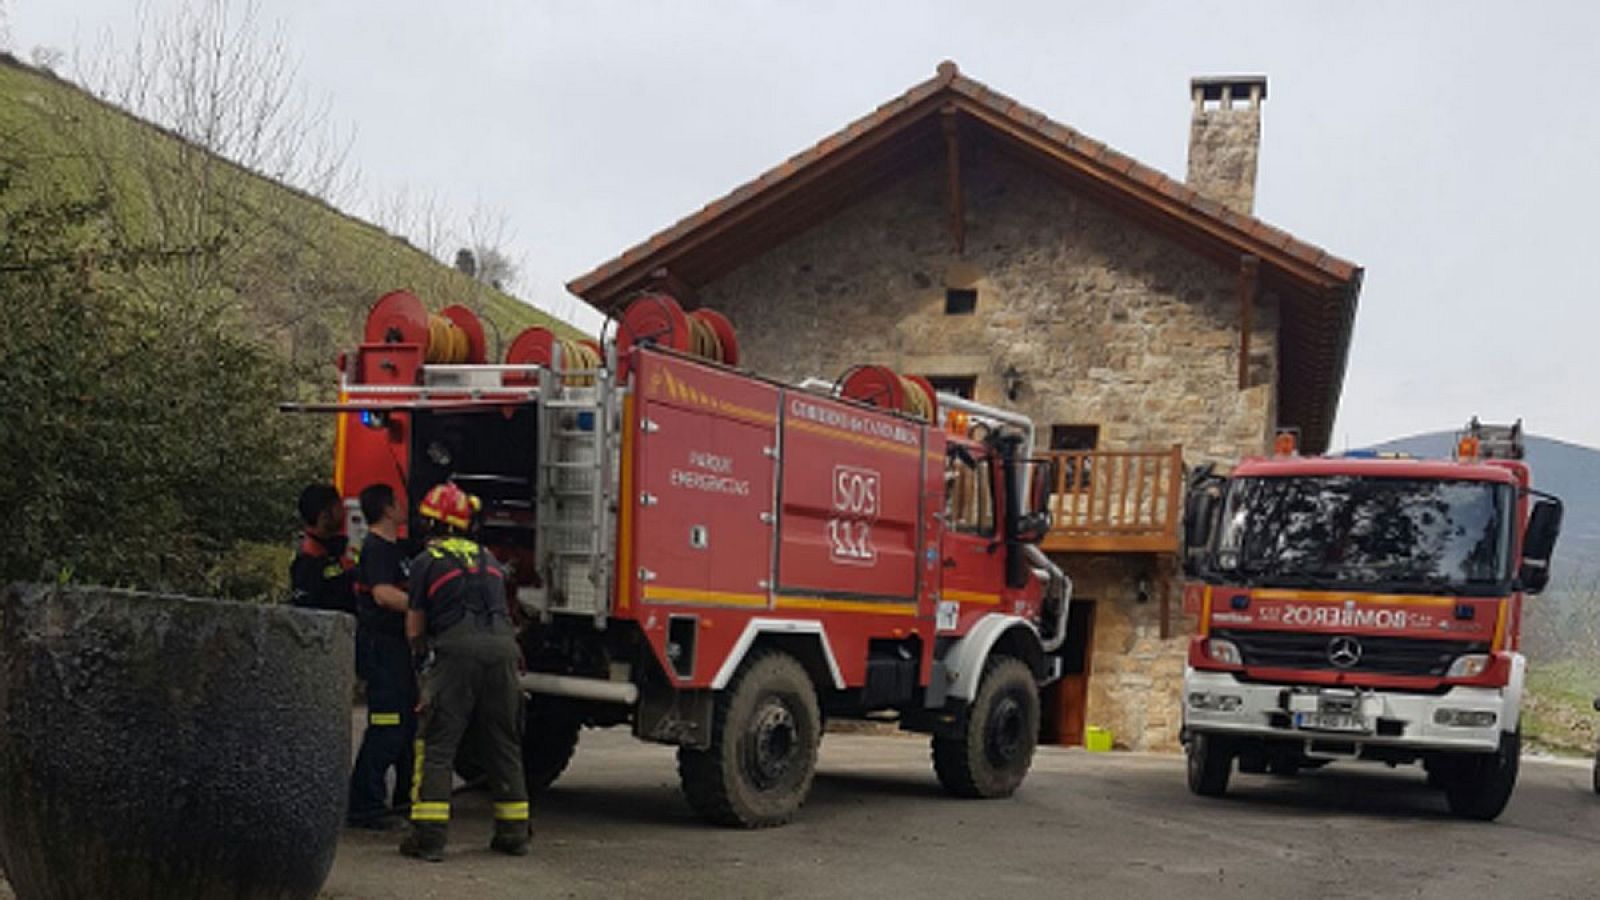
(1218, 702)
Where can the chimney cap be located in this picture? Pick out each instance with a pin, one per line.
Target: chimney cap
(1210, 87)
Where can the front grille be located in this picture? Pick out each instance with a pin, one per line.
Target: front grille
(1379, 655)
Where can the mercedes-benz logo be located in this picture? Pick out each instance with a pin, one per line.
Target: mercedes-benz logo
(1344, 651)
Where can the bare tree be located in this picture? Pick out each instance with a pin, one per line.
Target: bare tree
(47, 58)
(229, 116)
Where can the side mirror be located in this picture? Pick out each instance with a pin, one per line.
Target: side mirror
(1032, 527)
(1041, 484)
(1539, 544)
(1199, 517)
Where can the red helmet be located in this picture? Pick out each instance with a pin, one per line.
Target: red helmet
(449, 504)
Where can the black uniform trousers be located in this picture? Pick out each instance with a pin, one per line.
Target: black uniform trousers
(384, 661)
(472, 683)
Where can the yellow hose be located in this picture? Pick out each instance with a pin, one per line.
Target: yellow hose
(447, 343)
(918, 403)
(577, 357)
(704, 341)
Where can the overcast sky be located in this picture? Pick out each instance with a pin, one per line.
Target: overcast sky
(1449, 148)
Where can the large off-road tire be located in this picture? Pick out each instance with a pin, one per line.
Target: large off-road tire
(763, 754)
(550, 729)
(994, 750)
(1479, 785)
(549, 738)
(1597, 772)
(1210, 764)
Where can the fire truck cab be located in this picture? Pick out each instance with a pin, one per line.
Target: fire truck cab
(722, 562)
(1365, 607)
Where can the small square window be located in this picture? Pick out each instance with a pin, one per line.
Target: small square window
(960, 301)
(960, 385)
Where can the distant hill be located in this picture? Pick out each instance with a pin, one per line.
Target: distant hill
(309, 270)
(1570, 471)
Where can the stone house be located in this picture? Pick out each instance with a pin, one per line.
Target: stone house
(1145, 324)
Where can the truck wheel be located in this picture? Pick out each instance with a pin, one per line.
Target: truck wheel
(763, 754)
(1480, 784)
(1597, 772)
(550, 729)
(992, 754)
(1210, 764)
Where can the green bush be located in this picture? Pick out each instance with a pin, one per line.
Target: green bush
(140, 435)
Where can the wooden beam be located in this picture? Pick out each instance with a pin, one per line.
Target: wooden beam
(952, 161)
(1249, 285)
(1166, 607)
(665, 280)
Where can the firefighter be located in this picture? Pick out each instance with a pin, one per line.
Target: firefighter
(465, 643)
(318, 576)
(383, 661)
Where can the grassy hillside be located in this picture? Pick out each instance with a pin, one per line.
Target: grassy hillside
(304, 271)
(156, 304)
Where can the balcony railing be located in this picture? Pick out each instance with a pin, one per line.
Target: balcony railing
(1116, 501)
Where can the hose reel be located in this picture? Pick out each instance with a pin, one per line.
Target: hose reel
(885, 388)
(454, 335)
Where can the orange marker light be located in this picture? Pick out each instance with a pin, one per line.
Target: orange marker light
(1468, 448)
(1283, 444)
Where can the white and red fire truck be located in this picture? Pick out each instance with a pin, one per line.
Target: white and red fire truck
(1365, 607)
(720, 561)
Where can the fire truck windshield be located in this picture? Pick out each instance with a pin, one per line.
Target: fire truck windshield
(1392, 534)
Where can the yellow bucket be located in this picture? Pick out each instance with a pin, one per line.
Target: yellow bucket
(1096, 740)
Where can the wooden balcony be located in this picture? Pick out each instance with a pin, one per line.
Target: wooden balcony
(1116, 501)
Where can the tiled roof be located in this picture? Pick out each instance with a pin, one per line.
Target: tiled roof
(1319, 289)
(949, 80)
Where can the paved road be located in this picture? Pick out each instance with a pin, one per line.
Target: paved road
(1083, 825)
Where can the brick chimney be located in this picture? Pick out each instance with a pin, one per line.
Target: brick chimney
(1225, 138)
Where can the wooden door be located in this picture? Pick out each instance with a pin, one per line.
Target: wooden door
(1071, 693)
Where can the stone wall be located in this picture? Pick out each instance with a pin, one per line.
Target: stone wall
(1224, 144)
(1106, 321)
(1135, 676)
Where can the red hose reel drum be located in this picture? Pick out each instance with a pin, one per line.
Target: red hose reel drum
(454, 336)
(655, 319)
(533, 346)
(467, 322)
(659, 320)
(397, 318)
(885, 388)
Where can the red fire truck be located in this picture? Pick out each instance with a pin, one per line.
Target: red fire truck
(1365, 607)
(722, 562)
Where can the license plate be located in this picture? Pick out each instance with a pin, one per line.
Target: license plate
(1328, 721)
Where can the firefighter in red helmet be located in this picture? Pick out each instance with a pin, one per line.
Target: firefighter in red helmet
(461, 631)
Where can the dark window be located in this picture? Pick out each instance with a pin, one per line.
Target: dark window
(1074, 437)
(960, 301)
(969, 497)
(960, 385)
(1389, 534)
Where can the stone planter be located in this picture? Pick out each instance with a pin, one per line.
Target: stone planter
(164, 747)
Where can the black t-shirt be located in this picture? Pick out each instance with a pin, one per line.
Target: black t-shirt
(317, 578)
(382, 562)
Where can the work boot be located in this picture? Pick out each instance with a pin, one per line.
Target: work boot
(511, 838)
(426, 842)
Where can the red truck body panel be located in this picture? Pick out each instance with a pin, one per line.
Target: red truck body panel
(754, 500)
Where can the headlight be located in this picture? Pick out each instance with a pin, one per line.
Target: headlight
(1223, 651)
(1470, 665)
(1204, 700)
(1464, 718)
